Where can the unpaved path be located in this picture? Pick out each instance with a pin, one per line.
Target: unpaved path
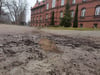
(14, 29)
(74, 33)
(6, 29)
(21, 53)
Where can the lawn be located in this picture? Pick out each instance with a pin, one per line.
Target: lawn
(70, 28)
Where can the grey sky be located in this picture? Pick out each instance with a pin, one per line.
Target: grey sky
(31, 3)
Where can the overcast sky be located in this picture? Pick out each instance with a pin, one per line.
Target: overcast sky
(31, 3)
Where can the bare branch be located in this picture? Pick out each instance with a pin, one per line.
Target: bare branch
(16, 9)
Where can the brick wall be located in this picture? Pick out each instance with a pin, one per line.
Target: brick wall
(88, 21)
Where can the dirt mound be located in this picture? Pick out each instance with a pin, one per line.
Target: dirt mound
(48, 45)
(38, 54)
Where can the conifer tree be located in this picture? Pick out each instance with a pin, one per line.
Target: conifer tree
(52, 19)
(66, 20)
(75, 22)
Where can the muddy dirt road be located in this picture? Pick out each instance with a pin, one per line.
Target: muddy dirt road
(22, 54)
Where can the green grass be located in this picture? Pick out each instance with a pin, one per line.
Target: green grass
(70, 28)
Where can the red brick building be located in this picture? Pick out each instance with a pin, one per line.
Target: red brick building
(88, 15)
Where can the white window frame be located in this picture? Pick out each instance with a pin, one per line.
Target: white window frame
(83, 12)
(37, 18)
(53, 3)
(73, 1)
(40, 18)
(72, 13)
(46, 16)
(97, 11)
(84, 0)
(62, 2)
(47, 6)
(61, 14)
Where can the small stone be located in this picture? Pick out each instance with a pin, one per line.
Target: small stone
(48, 45)
(1, 50)
(1, 45)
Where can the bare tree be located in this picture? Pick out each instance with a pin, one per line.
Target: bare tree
(1, 3)
(0, 6)
(16, 8)
(3, 15)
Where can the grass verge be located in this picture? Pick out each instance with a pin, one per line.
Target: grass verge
(70, 28)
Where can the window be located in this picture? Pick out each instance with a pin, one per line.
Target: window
(83, 12)
(95, 25)
(61, 14)
(97, 11)
(53, 3)
(73, 1)
(72, 14)
(62, 2)
(38, 10)
(41, 10)
(43, 1)
(37, 19)
(40, 18)
(33, 19)
(81, 25)
(46, 16)
(47, 6)
(84, 0)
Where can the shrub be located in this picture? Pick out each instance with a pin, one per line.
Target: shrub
(66, 20)
(75, 22)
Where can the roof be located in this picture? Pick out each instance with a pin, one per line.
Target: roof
(38, 4)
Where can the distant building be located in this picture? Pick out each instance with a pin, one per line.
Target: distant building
(89, 12)
(4, 17)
